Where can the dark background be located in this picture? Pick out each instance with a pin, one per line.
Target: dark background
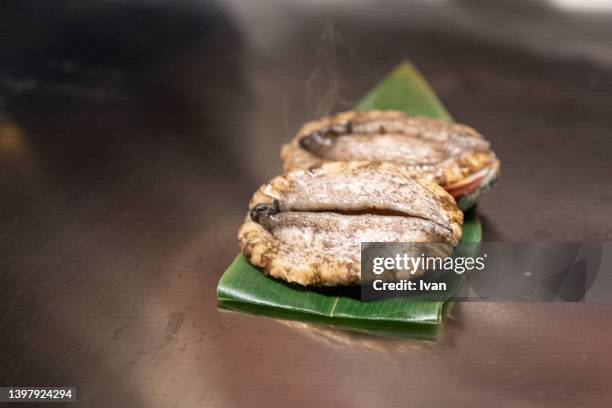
(133, 133)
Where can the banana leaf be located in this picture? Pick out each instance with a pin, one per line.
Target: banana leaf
(245, 288)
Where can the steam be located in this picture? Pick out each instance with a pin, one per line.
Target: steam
(323, 84)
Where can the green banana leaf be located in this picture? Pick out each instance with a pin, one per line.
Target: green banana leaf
(406, 90)
(245, 288)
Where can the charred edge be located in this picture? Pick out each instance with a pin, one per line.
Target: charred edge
(383, 212)
(323, 138)
(316, 140)
(262, 211)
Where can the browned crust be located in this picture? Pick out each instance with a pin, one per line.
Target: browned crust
(260, 247)
(450, 172)
(262, 250)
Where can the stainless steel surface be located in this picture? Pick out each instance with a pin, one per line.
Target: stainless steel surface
(132, 136)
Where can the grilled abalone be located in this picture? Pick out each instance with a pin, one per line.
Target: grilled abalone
(307, 226)
(453, 155)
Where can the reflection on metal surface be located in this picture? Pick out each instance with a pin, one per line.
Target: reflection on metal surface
(11, 137)
(339, 338)
(584, 5)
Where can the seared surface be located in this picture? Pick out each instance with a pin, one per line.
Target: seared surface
(363, 186)
(340, 234)
(307, 226)
(442, 151)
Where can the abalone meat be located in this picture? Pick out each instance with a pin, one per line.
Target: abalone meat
(307, 225)
(453, 155)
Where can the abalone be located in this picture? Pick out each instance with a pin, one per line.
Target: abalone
(307, 225)
(453, 155)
